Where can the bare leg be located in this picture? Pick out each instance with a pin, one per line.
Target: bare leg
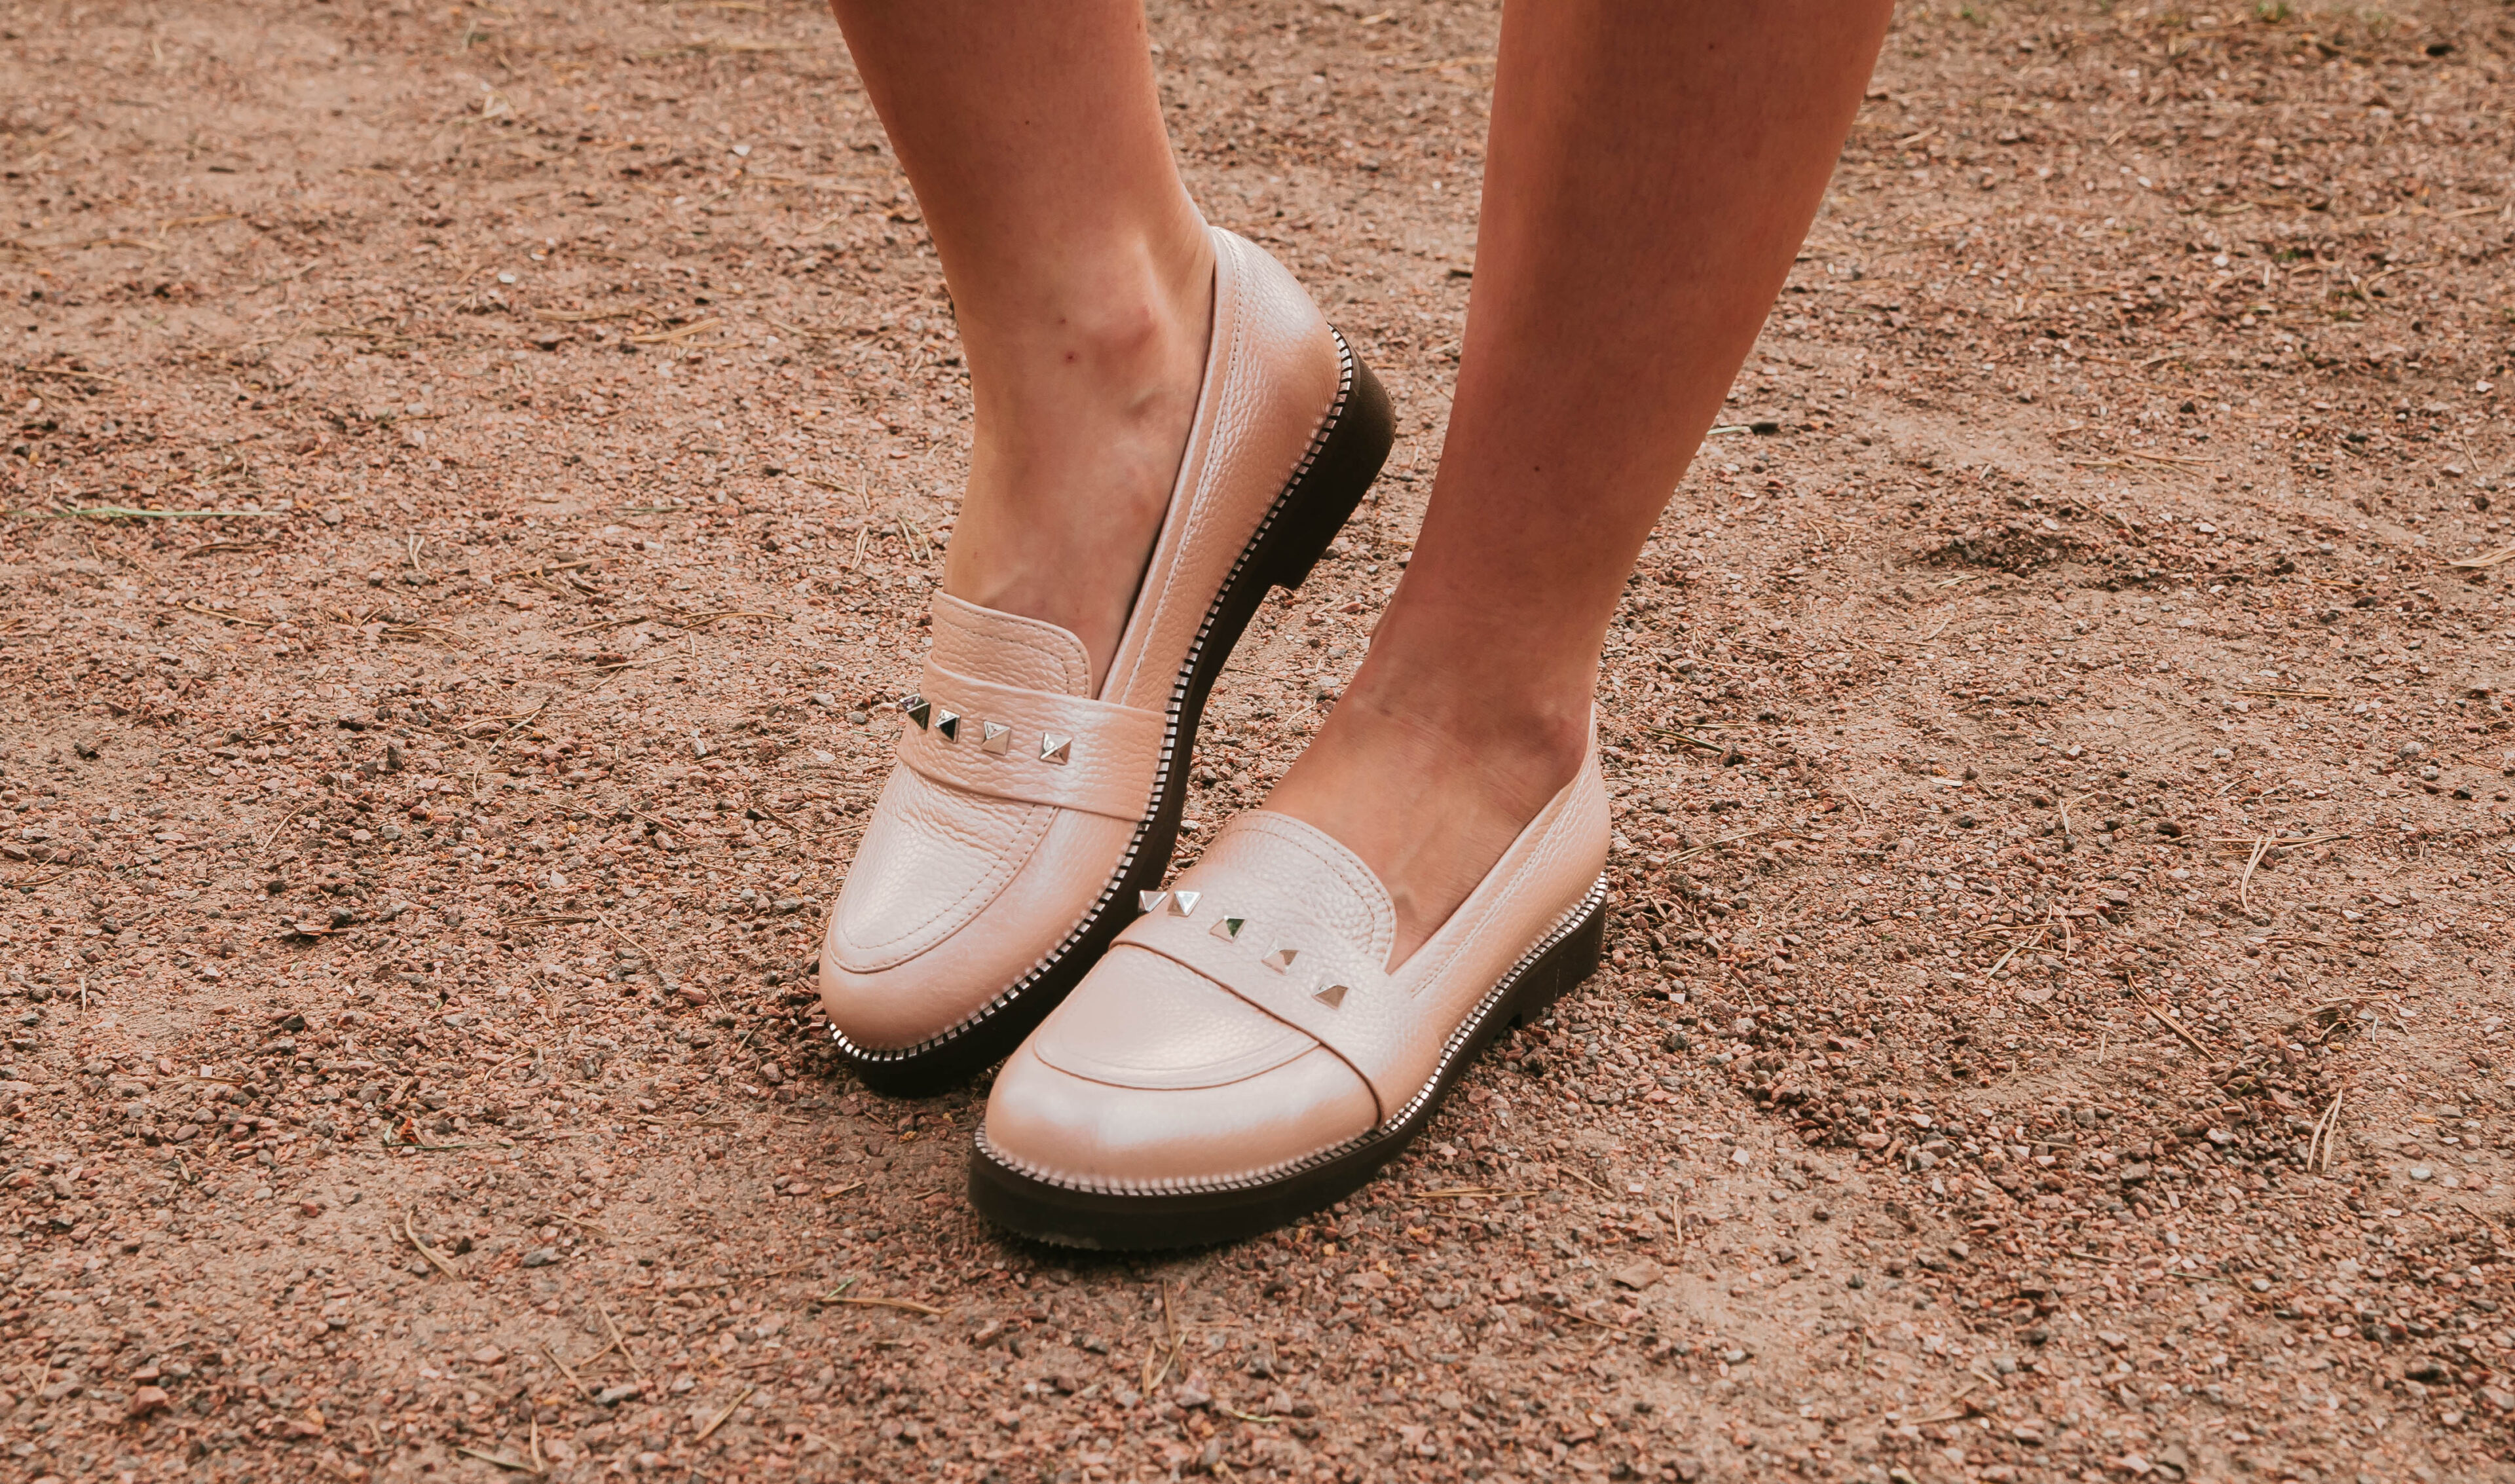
(1652, 169)
(1081, 276)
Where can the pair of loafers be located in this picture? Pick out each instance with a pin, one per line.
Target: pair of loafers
(1195, 1061)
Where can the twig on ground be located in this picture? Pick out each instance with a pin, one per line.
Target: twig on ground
(869, 1300)
(128, 512)
(436, 1259)
(2026, 942)
(718, 1421)
(2245, 883)
(270, 838)
(1572, 1313)
(1157, 1360)
(667, 337)
(2186, 1037)
(2318, 1149)
(568, 1370)
(620, 1342)
(1725, 839)
(761, 806)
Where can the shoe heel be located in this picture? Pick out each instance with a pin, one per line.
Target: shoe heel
(1347, 461)
(1562, 968)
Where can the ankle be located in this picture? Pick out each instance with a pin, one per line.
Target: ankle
(1527, 745)
(1110, 326)
(1428, 780)
(1085, 372)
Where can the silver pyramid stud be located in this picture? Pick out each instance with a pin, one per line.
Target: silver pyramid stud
(948, 722)
(993, 738)
(1182, 903)
(1228, 929)
(918, 710)
(1056, 749)
(1332, 997)
(1279, 958)
(1150, 901)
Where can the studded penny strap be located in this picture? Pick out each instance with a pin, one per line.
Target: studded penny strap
(1031, 745)
(1282, 960)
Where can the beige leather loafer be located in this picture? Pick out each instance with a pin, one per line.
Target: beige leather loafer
(1242, 1055)
(1025, 813)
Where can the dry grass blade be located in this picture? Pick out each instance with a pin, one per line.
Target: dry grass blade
(230, 618)
(668, 337)
(2280, 840)
(873, 1301)
(1688, 738)
(797, 331)
(585, 316)
(2321, 1024)
(718, 1421)
(268, 840)
(1725, 839)
(1951, 1412)
(620, 1342)
(512, 1465)
(2245, 883)
(539, 567)
(2503, 554)
(2186, 1037)
(436, 1259)
(422, 633)
(1164, 1357)
(2318, 1149)
(731, 47)
(568, 1370)
(654, 960)
(1573, 1313)
(2015, 949)
(1470, 1193)
(129, 513)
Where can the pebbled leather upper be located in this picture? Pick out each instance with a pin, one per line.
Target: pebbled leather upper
(978, 865)
(1187, 1056)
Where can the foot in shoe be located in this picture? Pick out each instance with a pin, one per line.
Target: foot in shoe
(1428, 781)
(1084, 405)
(1243, 1054)
(1042, 765)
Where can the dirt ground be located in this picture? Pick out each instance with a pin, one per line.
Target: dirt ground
(2059, 1014)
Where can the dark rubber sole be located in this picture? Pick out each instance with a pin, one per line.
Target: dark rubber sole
(1112, 1221)
(1338, 469)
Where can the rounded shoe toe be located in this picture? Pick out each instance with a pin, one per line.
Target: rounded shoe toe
(938, 918)
(1150, 1078)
